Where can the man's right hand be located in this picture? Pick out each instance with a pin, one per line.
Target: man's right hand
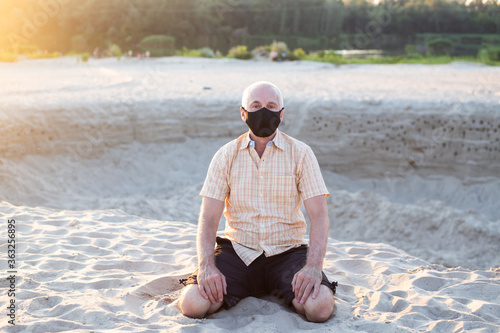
(211, 283)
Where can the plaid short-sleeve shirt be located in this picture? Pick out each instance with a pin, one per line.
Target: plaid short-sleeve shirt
(263, 196)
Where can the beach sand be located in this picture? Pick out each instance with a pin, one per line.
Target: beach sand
(101, 164)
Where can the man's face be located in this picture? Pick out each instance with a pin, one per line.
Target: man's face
(260, 97)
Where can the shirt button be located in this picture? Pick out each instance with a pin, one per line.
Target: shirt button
(260, 194)
(261, 177)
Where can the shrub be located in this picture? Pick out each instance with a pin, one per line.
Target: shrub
(239, 52)
(185, 52)
(281, 50)
(493, 53)
(207, 52)
(291, 56)
(116, 51)
(262, 51)
(159, 45)
(8, 57)
(483, 56)
(85, 56)
(204, 52)
(440, 45)
(299, 53)
(489, 55)
(279, 47)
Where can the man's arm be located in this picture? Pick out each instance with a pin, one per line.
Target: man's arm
(309, 277)
(211, 282)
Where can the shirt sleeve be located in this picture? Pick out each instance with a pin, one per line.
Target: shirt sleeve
(216, 184)
(311, 181)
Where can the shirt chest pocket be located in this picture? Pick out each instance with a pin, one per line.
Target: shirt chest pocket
(282, 189)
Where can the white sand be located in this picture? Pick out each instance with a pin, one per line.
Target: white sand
(108, 271)
(100, 141)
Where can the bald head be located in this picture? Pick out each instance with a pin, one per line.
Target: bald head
(255, 92)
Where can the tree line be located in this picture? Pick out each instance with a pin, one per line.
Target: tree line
(83, 25)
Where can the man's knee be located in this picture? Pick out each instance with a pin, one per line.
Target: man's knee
(193, 305)
(320, 309)
(321, 313)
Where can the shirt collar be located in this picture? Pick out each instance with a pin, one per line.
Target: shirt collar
(277, 141)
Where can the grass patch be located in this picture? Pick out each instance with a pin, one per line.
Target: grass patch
(378, 61)
(413, 58)
(8, 57)
(43, 55)
(326, 56)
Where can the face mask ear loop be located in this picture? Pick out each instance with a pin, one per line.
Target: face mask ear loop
(246, 113)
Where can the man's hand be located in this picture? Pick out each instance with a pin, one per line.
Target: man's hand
(306, 280)
(211, 283)
(309, 277)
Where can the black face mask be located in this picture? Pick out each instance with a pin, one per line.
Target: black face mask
(263, 122)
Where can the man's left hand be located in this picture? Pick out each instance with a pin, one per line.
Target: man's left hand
(306, 280)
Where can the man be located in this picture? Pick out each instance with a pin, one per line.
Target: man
(262, 178)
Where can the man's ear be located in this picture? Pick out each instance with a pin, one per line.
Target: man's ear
(242, 112)
(282, 113)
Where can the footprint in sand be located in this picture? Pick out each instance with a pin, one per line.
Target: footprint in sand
(164, 290)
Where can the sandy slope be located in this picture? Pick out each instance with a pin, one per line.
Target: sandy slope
(444, 220)
(118, 150)
(138, 136)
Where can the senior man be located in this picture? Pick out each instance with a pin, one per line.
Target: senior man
(262, 178)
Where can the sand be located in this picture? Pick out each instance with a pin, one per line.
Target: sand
(101, 165)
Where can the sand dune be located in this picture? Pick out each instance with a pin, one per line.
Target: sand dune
(99, 161)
